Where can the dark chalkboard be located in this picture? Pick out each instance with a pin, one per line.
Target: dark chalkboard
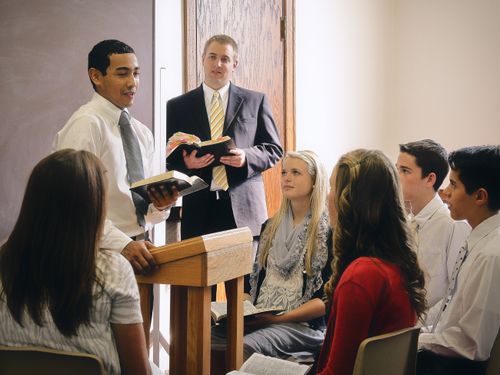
(43, 76)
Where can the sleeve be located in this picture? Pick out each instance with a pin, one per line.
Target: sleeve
(267, 149)
(123, 291)
(82, 133)
(113, 239)
(354, 312)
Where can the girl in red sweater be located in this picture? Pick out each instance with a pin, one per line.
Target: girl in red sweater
(376, 285)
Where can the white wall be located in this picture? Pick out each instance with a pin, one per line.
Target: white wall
(379, 73)
(447, 81)
(343, 57)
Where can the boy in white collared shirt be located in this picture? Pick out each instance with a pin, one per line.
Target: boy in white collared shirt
(422, 167)
(461, 340)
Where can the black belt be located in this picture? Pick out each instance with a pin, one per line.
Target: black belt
(220, 194)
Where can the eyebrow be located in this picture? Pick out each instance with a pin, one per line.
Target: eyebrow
(126, 69)
(403, 166)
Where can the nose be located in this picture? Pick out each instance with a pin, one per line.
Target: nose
(132, 81)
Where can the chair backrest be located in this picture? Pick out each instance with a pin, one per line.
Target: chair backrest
(494, 361)
(393, 353)
(44, 361)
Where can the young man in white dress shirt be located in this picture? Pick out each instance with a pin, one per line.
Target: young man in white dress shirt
(462, 337)
(114, 73)
(422, 167)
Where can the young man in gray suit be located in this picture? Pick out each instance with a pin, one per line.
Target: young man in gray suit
(236, 197)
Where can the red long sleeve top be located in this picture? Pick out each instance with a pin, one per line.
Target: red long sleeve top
(370, 300)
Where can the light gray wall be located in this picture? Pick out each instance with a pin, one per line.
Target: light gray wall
(375, 74)
(43, 79)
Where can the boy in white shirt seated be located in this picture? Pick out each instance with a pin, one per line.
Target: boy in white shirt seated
(422, 167)
(467, 323)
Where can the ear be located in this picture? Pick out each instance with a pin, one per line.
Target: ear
(430, 179)
(95, 76)
(481, 197)
(235, 64)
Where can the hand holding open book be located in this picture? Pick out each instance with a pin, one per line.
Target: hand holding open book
(184, 184)
(217, 147)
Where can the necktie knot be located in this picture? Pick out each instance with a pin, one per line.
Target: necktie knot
(215, 96)
(124, 119)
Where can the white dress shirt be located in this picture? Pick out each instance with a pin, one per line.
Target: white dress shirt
(94, 127)
(439, 241)
(469, 325)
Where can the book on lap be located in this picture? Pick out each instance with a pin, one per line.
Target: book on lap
(185, 184)
(259, 364)
(218, 310)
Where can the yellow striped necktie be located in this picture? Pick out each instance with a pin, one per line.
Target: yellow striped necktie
(216, 127)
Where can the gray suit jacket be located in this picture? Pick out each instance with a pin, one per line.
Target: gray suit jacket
(249, 122)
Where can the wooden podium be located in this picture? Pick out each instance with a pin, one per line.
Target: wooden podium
(191, 267)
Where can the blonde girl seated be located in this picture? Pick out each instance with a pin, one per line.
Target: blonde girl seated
(292, 265)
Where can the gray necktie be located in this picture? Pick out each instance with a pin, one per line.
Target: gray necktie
(135, 169)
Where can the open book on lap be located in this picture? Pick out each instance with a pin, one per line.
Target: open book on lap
(259, 364)
(185, 184)
(219, 310)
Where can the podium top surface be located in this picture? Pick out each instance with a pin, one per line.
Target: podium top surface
(202, 244)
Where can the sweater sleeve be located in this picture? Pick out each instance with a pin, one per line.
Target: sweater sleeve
(353, 316)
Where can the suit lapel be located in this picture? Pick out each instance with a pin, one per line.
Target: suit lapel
(200, 114)
(235, 99)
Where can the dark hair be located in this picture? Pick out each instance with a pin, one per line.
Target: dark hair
(49, 259)
(99, 55)
(371, 221)
(479, 167)
(430, 156)
(222, 39)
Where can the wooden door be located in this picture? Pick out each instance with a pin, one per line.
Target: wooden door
(264, 32)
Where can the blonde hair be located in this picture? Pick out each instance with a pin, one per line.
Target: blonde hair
(318, 174)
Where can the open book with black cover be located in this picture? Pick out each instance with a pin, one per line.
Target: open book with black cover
(259, 364)
(217, 147)
(219, 310)
(185, 184)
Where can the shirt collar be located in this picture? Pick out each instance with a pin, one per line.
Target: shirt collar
(430, 209)
(483, 229)
(209, 92)
(112, 110)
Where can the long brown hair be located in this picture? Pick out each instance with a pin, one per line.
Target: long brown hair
(371, 221)
(49, 259)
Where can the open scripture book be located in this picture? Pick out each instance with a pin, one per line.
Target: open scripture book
(185, 184)
(219, 310)
(217, 147)
(259, 364)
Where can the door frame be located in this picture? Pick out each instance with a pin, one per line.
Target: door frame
(191, 63)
